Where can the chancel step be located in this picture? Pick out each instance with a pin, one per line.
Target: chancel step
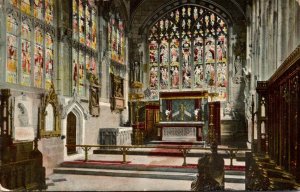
(142, 172)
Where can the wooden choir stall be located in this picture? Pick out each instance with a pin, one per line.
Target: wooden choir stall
(274, 163)
(21, 163)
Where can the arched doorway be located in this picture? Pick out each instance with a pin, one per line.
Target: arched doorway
(71, 132)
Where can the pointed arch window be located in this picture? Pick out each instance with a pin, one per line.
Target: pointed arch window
(29, 28)
(84, 24)
(188, 51)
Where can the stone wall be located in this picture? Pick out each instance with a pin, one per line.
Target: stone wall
(272, 34)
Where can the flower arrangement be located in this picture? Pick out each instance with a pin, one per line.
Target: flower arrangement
(196, 112)
(167, 112)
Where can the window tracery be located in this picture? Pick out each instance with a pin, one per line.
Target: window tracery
(116, 38)
(30, 42)
(84, 59)
(188, 51)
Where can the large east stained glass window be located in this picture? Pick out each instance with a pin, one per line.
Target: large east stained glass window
(84, 24)
(28, 48)
(188, 51)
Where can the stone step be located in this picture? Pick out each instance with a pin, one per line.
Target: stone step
(143, 167)
(144, 172)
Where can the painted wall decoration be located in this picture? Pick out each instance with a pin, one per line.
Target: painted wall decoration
(196, 55)
(30, 44)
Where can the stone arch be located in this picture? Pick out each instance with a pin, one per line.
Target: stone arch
(166, 8)
(81, 114)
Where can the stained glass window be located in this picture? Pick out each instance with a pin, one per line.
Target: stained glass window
(85, 33)
(38, 57)
(188, 51)
(38, 9)
(12, 49)
(14, 3)
(25, 6)
(93, 29)
(25, 54)
(29, 46)
(81, 22)
(91, 32)
(75, 62)
(75, 20)
(81, 74)
(79, 71)
(49, 11)
(49, 60)
(117, 39)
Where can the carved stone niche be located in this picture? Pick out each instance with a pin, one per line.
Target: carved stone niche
(117, 100)
(49, 115)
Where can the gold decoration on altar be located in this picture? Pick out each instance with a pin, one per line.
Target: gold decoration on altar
(182, 110)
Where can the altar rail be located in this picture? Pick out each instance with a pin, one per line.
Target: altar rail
(230, 152)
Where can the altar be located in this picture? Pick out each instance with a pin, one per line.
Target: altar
(180, 130)
(183, 115)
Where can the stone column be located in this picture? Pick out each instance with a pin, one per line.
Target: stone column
(297, 23)
(282, 35)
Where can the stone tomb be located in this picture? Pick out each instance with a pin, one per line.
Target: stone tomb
(115, 136)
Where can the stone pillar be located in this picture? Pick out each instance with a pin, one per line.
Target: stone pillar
(282, 23)
(296, 22)
(291, 25)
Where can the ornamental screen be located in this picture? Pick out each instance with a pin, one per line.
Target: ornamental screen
(30, 42)
(188, 51)
(85, 38)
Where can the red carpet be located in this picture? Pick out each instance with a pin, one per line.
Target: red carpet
(95, 162)
(170, 152)
(129, 164)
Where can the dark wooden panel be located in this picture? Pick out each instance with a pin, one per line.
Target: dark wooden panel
(282, 95)
(71, 133)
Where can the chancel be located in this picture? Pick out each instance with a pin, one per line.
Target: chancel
(149, 95)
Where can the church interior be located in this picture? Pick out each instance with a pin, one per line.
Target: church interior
(132, 95)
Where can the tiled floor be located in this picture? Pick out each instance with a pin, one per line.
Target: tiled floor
(67, 182)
